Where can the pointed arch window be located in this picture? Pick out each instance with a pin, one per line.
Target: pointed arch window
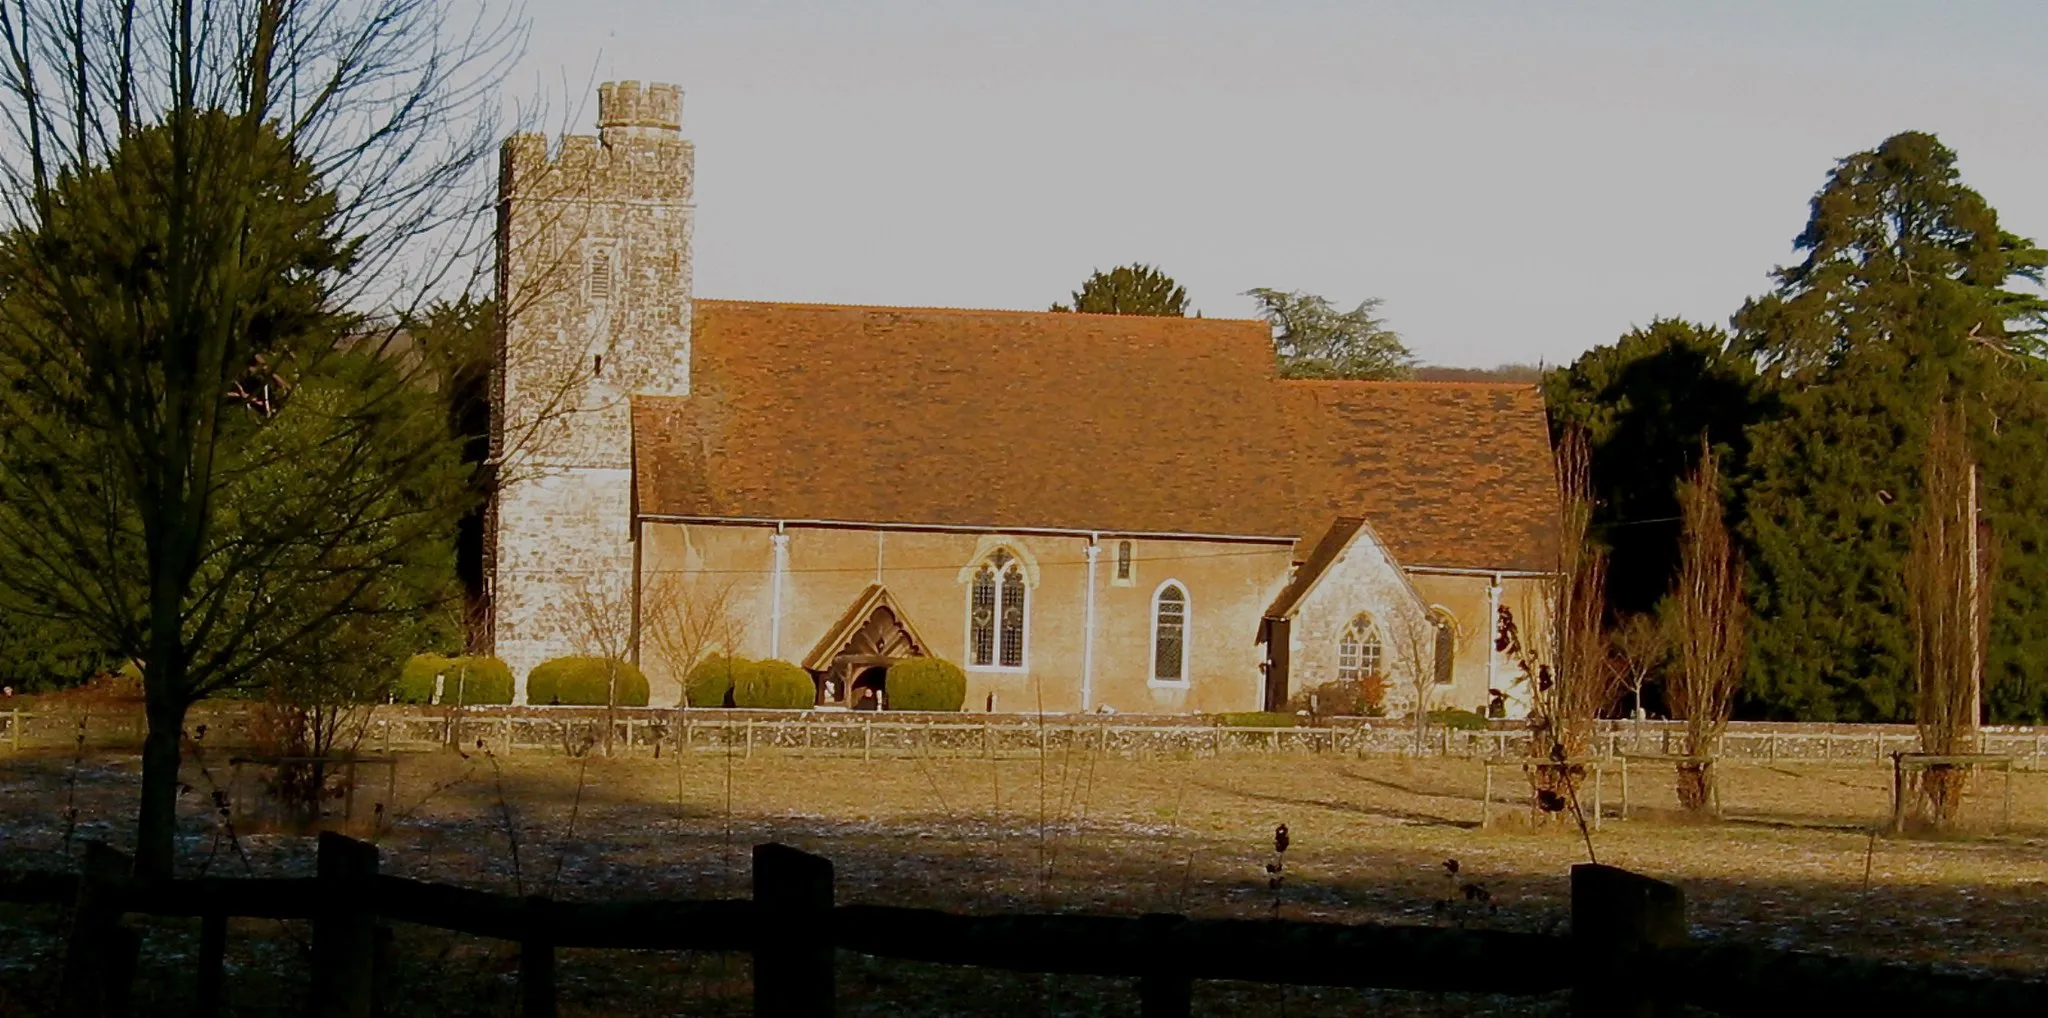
(1123, 562)
(1446, 644)
(998, 611)
(1359, 652)
(1170, 634)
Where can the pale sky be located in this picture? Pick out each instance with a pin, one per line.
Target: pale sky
(1518, 180)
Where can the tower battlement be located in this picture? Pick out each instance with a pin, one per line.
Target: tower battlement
(638, 153)
(630, 105)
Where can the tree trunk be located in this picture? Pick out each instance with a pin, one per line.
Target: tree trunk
(1695, 786)
(156, 822)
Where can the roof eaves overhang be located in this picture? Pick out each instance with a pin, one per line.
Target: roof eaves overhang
(963, 528)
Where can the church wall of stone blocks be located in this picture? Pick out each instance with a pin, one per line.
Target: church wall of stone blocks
(594, 290)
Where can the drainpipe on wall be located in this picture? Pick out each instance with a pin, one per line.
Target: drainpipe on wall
(1088, 631)
(780, 542)
(1493, 626)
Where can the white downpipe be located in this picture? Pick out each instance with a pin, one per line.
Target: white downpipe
(1492, 626)
(1088, 632)
(780, 541)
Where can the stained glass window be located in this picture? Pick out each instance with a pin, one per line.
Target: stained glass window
(995, 613)
(1123, 560)
(1013, 618)
(1169, 635)
(1358, 650)
(981, 617)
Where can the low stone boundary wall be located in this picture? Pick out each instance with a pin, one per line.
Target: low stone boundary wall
(575, 730)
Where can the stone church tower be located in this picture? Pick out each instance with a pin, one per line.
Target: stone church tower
(594, 305)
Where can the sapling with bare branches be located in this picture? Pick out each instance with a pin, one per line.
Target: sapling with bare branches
(1414, 636)
(1564, 661)
(1708, 622)
(1638, 648)
(1948, 586)
(604, 625)
(686, 619)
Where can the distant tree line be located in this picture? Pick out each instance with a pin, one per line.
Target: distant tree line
(1910, 302)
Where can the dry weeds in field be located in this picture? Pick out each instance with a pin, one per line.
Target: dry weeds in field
(1368, 840)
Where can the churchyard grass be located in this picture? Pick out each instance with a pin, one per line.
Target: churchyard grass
(1796, 865)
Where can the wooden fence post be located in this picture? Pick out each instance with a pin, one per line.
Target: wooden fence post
(213, 957)
(1486, 798)
(99, 956)
(537, 963)
(1618, 919)
(1167, 988)
(793, 952)
(345, 929)
(1898, 793)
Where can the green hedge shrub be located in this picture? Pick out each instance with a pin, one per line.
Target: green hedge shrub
(711, 682)
(1457, 720)
(1256, 719)
(925, 683)
(774, 685)
(416, 678)
(469, 680)
(583, 682)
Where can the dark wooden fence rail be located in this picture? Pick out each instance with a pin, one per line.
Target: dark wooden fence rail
(1628, 952)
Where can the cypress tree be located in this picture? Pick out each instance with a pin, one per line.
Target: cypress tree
(1901, 302)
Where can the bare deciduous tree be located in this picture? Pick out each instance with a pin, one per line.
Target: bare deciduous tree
(1413, 635)
(1948, 585)
(164, 339)
(604, 626)
(685, 621)
(1564, 661)
(1708, 622)
(1639, 647)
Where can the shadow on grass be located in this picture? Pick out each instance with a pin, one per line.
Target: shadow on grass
(1414, 817)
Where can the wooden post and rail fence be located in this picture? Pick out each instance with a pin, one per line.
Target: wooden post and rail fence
(1627, 953)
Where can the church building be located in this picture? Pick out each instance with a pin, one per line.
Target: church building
(1084, 512)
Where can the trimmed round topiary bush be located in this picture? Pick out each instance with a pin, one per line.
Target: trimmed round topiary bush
(775, 685)
(416, 678)
(585, 682)
(465, 681)
(710, 683)
(477, 680)
(925, 683)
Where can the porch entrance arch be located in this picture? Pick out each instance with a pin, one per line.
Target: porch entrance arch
(849, 663)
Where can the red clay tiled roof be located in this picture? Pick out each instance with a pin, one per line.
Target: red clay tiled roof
(1319, 560)
(1020, 420)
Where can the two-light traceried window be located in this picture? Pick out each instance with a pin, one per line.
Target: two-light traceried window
(997, 605)
(1170, 634)
(1358, 650)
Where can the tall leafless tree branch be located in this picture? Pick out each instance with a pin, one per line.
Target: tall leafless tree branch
(1708, 621)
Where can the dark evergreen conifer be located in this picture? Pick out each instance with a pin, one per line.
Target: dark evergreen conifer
(1646, 400)
(1129, 290)
(1900, 302)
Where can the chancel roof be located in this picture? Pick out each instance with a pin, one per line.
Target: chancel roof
(1011, 420)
